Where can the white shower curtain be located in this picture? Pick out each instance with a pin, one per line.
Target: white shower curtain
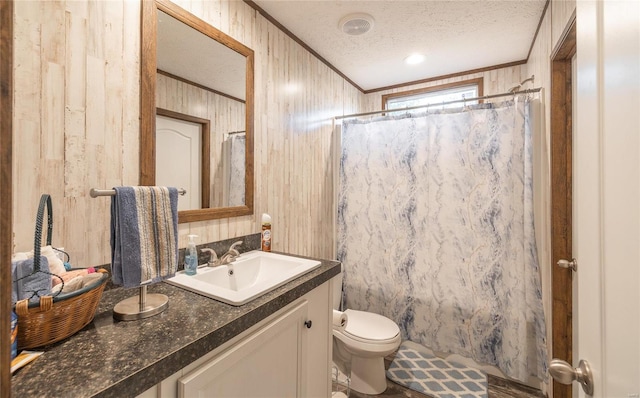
(236, 169)
(435, 231)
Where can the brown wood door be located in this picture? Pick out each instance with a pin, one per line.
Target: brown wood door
(561, 199)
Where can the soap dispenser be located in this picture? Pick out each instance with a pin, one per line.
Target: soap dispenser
(191, 257)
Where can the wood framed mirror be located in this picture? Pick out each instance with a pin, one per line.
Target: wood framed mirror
(192, 69)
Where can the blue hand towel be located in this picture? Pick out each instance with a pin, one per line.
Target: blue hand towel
(14, 284)
(29, 285)
(144, 235)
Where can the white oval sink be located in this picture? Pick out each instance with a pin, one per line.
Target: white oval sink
(251, 275)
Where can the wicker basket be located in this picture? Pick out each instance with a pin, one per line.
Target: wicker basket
(55, 318)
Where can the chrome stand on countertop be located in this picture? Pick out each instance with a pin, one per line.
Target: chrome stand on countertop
(140, 307)
(144, 305)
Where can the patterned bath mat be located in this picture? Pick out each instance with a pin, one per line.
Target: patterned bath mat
(420, 370)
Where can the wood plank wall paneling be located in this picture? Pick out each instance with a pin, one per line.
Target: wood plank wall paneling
(561, 12)
(76, 122)
(76, 117)
(94, 82)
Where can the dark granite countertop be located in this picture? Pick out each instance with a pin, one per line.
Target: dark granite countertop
(110, 358)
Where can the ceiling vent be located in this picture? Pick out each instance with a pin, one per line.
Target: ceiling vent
(356, 24)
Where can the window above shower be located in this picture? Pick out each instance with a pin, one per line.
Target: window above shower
(438, 96)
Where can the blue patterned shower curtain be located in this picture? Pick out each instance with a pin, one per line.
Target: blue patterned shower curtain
(436, 231)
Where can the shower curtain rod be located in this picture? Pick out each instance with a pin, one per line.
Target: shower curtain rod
(529, 91)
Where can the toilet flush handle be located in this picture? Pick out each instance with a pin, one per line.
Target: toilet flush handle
(308, 324)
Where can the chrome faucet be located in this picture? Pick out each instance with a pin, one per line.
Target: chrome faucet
(226, 258)
(231, 254)
(213, 258)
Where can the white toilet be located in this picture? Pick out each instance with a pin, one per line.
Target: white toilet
(359, 348)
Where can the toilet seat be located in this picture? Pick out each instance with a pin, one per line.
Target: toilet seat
(367, 327)
(370, 328)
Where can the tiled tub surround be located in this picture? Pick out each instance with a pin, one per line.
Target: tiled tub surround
(110, 358)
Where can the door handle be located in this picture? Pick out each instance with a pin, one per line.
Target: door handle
(563, 373)
(573, 264)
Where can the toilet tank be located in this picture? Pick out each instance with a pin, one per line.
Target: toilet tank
(337, 290)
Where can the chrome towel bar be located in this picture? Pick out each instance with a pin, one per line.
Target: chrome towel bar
(94, 193)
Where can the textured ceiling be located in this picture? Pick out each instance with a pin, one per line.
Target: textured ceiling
(185, 52)
(454, 35)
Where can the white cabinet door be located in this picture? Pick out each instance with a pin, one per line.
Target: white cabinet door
(319, 342)
(315, 343)
(269, 363)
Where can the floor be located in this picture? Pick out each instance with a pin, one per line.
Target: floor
(498, 388)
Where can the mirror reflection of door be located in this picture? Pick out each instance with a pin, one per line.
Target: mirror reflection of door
(178, 158)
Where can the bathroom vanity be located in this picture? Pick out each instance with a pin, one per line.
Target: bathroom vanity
(285, 355)
(197, 345)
